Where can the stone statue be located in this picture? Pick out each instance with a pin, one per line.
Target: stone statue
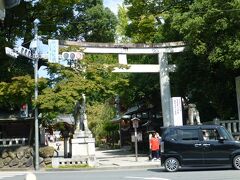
(77, 116)
(193, 114)
(80, 116)
(83, 114)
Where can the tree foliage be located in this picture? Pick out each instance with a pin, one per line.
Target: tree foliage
(100, 116)
(71, 19)
(91, 77)
(76, 20)
(122, 25)
(211, 29)
(17, 92)
(206, 71)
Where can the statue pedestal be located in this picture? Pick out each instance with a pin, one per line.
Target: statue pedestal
(83, 145)
(82, 134)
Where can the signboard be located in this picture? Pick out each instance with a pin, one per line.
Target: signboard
(139, 136)
(176, 103)
(238, 94)
(24, 51)
(10, 52)
(53, 51)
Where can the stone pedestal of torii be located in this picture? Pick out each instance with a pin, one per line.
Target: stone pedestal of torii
(163, 68)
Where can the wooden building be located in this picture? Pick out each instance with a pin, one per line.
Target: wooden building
(150, 120)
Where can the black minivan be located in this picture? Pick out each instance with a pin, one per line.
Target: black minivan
(199, 146)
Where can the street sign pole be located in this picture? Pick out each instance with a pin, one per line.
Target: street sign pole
(136, 144)
(35, 58)
(135, 122)
(34, 54)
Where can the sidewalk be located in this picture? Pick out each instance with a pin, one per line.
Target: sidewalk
(122, 158)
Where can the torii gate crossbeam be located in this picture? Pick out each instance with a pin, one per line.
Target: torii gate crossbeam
(162, 68)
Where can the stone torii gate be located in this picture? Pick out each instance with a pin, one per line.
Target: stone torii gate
(163, 68)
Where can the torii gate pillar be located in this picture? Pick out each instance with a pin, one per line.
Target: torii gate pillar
(165, 89)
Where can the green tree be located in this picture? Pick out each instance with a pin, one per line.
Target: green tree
(79, 20)
(91, 77)
(100, 116)
(68, 20)
(58, 19)
(211, 30)
(122, 25)
(207, 70)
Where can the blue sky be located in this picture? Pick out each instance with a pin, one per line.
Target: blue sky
(112, 4)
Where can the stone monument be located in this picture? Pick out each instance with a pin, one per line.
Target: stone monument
(82, 143)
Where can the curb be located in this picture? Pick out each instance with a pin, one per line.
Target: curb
(105, 168)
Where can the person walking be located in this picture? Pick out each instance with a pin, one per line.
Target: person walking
(154, 146)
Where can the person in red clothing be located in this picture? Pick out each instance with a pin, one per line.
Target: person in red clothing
(154, 146)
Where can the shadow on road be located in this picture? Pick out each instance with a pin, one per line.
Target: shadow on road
(120, 152)
(191, 169)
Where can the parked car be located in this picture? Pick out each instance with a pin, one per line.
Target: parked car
(199, 146)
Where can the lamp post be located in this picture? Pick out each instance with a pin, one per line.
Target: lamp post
(135, 122)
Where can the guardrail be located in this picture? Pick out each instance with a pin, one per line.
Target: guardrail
(13, 142)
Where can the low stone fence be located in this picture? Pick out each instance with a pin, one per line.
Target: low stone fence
(232, 126)
(13, 142)
(22, 157)
(59, 161)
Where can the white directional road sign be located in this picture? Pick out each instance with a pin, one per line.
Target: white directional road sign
(53, 50)
(24, 51)
(10, 52)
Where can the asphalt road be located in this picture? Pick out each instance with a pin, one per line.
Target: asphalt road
(130, 174)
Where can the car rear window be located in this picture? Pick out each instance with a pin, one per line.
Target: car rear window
(170, 133)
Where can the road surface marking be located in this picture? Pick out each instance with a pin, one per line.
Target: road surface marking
(4, 175)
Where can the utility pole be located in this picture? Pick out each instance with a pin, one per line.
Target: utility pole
(34, 54)
(36, 58)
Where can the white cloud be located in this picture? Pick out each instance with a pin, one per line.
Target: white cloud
(113, 5)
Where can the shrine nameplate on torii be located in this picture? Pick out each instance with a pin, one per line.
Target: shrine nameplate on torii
(163, 68)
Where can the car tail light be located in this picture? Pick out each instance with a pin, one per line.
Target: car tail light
(162, 147)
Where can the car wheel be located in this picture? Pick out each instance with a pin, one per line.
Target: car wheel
(236, 162)
(171, 164)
